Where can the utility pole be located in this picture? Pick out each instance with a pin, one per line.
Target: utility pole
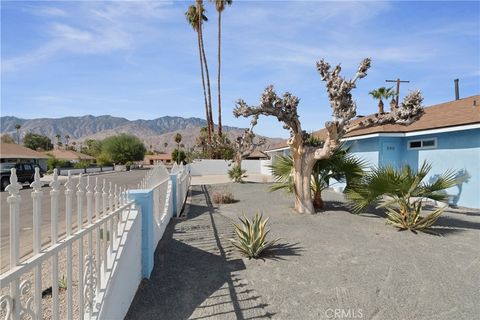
(398, 88)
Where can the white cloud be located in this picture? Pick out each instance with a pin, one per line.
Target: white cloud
(96, 28)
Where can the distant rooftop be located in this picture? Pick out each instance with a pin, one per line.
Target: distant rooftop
(68, 155)
(15, 151)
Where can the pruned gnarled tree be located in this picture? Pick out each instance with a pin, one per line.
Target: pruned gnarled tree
(246, 143)
(305, 152)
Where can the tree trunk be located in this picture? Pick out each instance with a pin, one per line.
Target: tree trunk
(209, 128)
(207, 76)
(219, 98)
(380, 107)
(303, 164)
(318, 201)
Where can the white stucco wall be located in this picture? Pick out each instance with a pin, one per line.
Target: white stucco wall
(127, 273)
(202, 167)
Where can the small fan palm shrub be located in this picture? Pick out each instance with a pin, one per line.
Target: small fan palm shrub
(341, 166)
(402, 192)
(237, 174)
(251, 236)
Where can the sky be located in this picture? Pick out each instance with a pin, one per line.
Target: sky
(139, 59)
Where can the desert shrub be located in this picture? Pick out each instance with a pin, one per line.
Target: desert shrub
(401, 192)
(237, 173)
(53, 163)
(81, 165)
(251, 236)
(220, 197)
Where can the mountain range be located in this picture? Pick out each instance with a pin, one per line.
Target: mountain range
(154, 133)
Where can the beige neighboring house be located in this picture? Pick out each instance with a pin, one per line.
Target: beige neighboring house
(69, 155)
(166, 158)
(14, 153)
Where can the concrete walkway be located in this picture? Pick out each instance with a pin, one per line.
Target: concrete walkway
(196, 273)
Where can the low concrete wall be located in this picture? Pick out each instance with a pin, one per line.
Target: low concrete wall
(203, 167)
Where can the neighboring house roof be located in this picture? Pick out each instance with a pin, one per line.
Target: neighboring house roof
(278, 146)
(256, 154)
(163, 156)
(68, 155)
(12, 150)
(449, 114)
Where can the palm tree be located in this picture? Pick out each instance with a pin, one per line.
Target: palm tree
(199, 4)
(193, 17)
(342, 166)
(17, 127)
(220, 6)
(59, 143)
(67, 137)
(405, 193)
(165, 145)
(178, 139)
(382, 93)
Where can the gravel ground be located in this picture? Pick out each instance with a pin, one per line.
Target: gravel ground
(331, 265)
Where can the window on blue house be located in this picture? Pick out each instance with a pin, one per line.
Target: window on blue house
(423, 144)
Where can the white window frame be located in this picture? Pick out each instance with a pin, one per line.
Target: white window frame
(421, 142)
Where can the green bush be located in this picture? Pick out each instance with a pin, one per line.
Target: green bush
(251, 236)
(123, 148)
(53, 163)
(179, 156)
(237, 174)
(81, 165)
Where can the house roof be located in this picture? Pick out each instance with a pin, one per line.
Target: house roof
(454, 113)
(257, 154)
(449, 114)
(68, 155)
(162, 156)
(12, 150)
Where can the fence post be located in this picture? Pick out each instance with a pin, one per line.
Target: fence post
(173, 178)
(144, 199)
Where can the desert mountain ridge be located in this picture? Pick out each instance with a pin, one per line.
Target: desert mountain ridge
(154, 133)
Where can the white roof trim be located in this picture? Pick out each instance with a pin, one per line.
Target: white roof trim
(277, 149)
(415, 133)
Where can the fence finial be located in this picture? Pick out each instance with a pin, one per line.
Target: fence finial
(69, 184)
(14, 187)
(96, 189)
(80, 185)
(36, 184)
(55, 184)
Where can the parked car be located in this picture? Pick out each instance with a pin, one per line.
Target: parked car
(25, 173)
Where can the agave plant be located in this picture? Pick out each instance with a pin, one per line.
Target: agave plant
(402, 193)
(341, 166)
(251, 236)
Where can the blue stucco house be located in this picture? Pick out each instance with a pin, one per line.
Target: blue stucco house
(447, 136)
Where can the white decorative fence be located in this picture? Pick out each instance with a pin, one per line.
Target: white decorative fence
(107, 247)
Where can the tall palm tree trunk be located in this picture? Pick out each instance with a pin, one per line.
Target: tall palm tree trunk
(219, 60)
(208, 82)
(208, 105)
(207, 113)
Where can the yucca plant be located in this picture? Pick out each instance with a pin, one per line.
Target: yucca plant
(341, 166)
(237, 173)
(251, 236)
(402, 193)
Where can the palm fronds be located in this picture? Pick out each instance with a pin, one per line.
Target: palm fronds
(402, 193)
